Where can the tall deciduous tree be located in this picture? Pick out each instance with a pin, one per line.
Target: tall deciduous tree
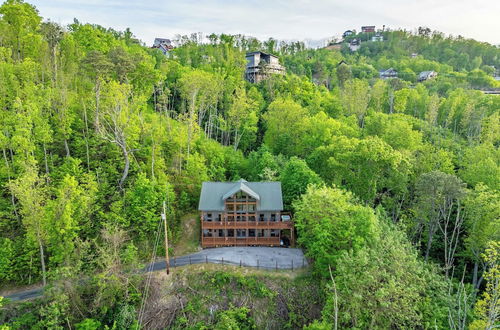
(117, 123)
(329, 222)
(29, 189)
(285, 126)
(355, 97)
(439, 206)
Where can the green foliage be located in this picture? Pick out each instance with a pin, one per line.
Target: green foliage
(375, 290)
(487, 308)
(235, 319)
(96, 131)
(284, 131)
(295, 178)
(329, 222)
(88, 324)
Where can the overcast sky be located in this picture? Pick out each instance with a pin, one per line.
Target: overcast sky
(281, 19)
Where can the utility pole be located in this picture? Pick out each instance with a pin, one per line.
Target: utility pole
(164, 216)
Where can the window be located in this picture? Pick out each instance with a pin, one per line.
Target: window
(261, 217)
(220, 217)
(251, 208)
(274, 233)
(273, 217)
(230, 218)
(241, 233)
(230, 233)
(260, 232)
(240, 208)
(207, 233)
(230, 207)
(251, 232)
(221, 232)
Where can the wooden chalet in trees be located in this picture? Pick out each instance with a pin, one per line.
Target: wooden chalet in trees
(261, 65)
(244, 213)
(368, 29)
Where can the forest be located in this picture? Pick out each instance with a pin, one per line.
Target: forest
(393, 183)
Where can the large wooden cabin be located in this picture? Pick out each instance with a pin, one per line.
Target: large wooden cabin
(244, 213)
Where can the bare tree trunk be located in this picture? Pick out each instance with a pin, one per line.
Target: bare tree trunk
(97, 96)
(127, 165)
(66, 146)
(45, 161)
(429, 241)
(86, 134)
(42, 259)
(12, 198)
(153, 158)
(474, 274)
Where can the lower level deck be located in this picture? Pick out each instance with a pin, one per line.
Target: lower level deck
(240, 241)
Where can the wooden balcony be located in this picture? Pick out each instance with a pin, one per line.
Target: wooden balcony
(247, 224)
(237, 241)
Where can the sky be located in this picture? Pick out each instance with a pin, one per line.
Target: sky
(280, 19)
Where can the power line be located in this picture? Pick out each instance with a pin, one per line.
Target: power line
(150, 274)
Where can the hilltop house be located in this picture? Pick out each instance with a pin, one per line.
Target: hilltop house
(378, 37)
(368, 29)
(426, 75)
(165, 45)
(354, 45)
(243, 213)
(347, 33)
(387, 74)
(260, 65)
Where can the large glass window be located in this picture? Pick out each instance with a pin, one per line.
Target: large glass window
(241, 233)
(251, 232)
(230, 233)
(207, 233)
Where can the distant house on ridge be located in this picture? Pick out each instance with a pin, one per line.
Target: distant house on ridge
(165, 45)
(354, 45)
(387, 74)
(378, 37)
(347, 33)
(368, 29)
(426, 75)
(261, 65)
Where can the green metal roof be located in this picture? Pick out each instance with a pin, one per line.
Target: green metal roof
(267, 194)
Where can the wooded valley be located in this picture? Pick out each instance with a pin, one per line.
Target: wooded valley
(393, 183)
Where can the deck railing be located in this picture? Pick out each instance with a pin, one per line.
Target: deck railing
(257, 224)
(232, 241)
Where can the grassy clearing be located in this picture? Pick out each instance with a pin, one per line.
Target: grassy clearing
(188, 239)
